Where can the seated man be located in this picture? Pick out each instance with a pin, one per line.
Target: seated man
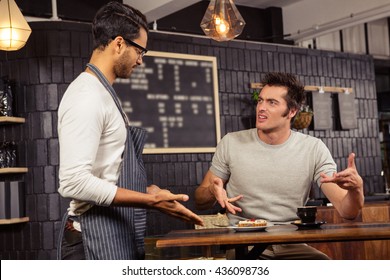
(268, 170)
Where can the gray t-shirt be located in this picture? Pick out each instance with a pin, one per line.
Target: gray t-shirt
(274, 179)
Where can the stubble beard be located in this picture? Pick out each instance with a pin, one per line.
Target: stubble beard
(122, 68)
(260, 126)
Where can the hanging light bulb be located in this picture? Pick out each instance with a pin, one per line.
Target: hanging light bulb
(222, 21)
(221, 26)
(14, 29)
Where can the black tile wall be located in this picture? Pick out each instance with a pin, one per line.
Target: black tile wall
(58, 51)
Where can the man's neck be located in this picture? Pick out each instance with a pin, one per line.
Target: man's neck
(100, 60)
(274, 137)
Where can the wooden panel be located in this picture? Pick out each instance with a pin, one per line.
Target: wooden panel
(377, 250)
(353, 250)
(376, 213)
(325, 214)
(357, 250)
(330, 215)
(333, 250)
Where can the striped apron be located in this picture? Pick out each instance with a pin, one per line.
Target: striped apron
(117, 233)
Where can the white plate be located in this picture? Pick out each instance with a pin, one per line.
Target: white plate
(260, 228)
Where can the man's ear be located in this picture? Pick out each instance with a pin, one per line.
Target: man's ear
(118, 43)
(293, 112)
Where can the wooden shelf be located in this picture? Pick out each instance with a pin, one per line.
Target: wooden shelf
(13, 170)
(14, 221)
(9, 170)
(312, 88)
(7, 120)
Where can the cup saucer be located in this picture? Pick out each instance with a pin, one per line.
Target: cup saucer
(313, 225)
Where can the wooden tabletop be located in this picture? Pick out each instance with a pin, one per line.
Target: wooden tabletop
(276, 235)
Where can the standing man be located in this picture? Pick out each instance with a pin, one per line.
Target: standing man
(106, 218)
(268, 170)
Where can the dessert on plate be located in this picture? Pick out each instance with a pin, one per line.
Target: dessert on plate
(252, 223)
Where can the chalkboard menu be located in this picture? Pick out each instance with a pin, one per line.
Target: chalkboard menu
(175, 98)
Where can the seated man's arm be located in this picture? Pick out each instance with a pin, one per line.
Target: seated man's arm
(345, 190)
(211, 190)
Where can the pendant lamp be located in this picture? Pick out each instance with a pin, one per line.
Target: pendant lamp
(222, 21)
(14, 29)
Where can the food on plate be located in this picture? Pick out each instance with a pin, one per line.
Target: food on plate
(252, 223)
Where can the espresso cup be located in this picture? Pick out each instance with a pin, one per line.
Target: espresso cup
(307, 214)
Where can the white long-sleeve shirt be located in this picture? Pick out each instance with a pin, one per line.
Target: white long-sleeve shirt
(92, 137)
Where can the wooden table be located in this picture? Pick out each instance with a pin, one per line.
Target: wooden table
(279, 234)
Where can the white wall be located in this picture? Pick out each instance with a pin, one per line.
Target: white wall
(155, 9)
(318, 17)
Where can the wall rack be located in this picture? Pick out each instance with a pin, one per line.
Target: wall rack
(6, 120)
(14, 221)
(313, 88)
(9, 170)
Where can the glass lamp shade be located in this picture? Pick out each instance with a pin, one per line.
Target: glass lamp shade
(222, 21)
(14, 29)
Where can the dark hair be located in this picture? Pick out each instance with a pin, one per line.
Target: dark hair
(295, 96)
(116, 19)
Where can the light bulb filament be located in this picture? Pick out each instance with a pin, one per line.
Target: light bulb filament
(221, 26)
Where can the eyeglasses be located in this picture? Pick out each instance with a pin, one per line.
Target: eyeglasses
(142, 50)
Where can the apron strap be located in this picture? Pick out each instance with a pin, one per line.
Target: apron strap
(110, 89)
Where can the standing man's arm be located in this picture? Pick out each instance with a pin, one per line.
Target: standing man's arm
(345, 190)
(160, 199)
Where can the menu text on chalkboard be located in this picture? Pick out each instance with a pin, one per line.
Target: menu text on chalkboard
(175, 98)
